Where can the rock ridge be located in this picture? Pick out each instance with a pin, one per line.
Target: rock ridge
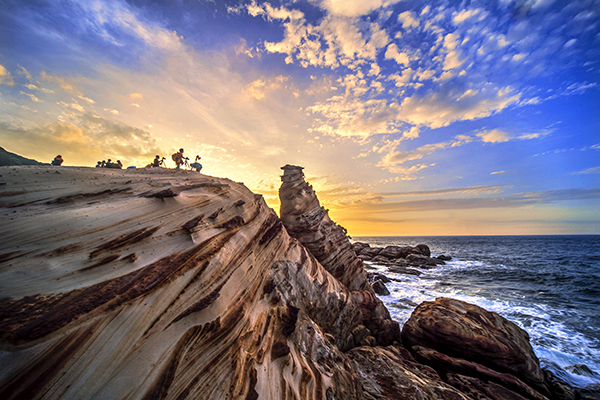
(110, 292)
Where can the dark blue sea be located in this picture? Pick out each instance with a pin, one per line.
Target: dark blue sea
(547, 285)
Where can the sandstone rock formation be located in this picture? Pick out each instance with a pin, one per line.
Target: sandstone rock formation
(163, 284)
(306, 220)
(476, 350)
(111, 290)
(399, 257)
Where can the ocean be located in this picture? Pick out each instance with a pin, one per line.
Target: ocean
(547, 285)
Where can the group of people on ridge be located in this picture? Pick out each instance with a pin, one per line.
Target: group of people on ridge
(109, 164)
(180, 160)
(178, 157)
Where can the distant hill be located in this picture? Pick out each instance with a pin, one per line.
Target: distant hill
(7, 158)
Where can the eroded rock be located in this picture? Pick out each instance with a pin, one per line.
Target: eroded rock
(461, 338)
(306, 220)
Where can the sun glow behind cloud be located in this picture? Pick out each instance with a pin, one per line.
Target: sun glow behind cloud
(381, 96)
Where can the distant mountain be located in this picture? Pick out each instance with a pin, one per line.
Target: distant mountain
(7, 158)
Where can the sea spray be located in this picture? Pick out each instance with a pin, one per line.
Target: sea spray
(548, 285)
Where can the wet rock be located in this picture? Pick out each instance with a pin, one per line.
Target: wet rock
(375, 277)
(444, 257)
(419, 259)
(381, 260)
(404, 270)
(380, 288)
(423, 249)
(454, 336)
(392, 373)
(392, 252)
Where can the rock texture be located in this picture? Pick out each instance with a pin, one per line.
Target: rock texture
(306, 220)
(476, 350)
(163, 284)
(111, 289)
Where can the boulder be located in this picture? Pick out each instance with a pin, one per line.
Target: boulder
(392, 252)
(455, 336)
(370, 251)
(419, 260)
(444, 257)
(380, 288)
(423, 249)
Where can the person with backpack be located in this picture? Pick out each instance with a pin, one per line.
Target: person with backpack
(178, 158)
(58, 160)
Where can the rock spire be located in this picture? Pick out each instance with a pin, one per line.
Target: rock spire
(307, 221)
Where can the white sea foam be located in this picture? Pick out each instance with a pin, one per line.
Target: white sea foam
(552, 341)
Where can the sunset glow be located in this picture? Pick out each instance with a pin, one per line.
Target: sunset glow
(452, 118)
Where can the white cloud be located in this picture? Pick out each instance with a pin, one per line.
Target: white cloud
(353, 8)
(5, 78)
(593, 170)
(408, 20)
(493, 136)
(474, 14)
(90, 101)
(393, 53)
(32, 97)
(394, 160)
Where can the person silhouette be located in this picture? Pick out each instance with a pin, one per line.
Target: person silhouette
(58, 160)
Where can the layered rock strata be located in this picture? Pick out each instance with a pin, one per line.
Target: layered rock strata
(306, 220)
(162, 284)
(112, 290)
(477, 351)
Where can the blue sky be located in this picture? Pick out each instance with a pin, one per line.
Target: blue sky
(478, 117)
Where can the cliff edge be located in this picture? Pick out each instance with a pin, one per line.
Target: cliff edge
(163, 284)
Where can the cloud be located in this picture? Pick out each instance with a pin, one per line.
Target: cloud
(394, 160)
(393, 53)
(353, 8)
(5, 78)
(83, 141)
(476, 190)
(518, 200)
(61, 82)
(136, 96)
(114, 112)
(499, 136)
(593, 170)
(335, 41)
(408, 20)
(493, 136)
(32, 97)
(259, 88)
(443, 107)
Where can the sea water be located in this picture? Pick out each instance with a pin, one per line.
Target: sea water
(547, 285)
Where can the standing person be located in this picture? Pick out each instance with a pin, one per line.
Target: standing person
(58, 160)
(178, 158)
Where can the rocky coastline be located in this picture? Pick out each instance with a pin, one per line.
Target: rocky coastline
(162, 284)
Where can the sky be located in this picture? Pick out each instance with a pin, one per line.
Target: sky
(410, 118)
